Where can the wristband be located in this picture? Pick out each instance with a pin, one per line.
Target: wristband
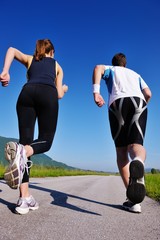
(96, 88)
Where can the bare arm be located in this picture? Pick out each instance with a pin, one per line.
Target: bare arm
(62, 89)
(13, 53)
(147, 94)
(96, 79)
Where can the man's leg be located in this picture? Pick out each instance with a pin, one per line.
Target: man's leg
(136, 188)
(137, 151)
(123, 164)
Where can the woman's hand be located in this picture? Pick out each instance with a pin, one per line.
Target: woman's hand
(65, 88)
(4, 78)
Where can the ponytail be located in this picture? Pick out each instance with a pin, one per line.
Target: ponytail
(43, 47)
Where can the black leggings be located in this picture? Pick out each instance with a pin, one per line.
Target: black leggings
(37, 102)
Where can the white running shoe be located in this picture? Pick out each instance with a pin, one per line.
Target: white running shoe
(132, 207)
(26, 204)
(16, 156)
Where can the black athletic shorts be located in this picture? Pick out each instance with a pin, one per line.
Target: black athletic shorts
(128, 118)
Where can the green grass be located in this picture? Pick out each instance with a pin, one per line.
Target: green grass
(1, 171)
(152, 181)
(153, 185)
(41, 171)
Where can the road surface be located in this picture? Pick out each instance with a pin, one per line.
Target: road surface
(77, 208)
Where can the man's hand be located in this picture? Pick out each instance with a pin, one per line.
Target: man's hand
(98, 99)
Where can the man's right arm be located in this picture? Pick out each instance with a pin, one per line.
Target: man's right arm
(147, 94)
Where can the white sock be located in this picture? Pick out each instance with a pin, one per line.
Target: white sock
(139, 159)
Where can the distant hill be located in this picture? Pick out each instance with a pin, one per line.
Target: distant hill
(39, 159)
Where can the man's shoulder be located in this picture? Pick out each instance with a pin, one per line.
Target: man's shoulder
(128, 71)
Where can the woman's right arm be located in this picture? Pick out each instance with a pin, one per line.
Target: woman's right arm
(12, 53)
(61, 88)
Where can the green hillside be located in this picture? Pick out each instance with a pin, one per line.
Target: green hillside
(39, 159)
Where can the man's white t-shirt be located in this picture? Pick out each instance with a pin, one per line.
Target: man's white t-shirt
(123, 82)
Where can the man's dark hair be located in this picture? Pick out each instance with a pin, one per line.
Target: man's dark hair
(119, 60)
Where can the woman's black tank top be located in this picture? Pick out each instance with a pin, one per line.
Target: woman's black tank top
(42, 72)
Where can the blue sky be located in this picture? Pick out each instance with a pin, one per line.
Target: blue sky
(84, 33)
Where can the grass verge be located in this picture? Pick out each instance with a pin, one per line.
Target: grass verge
(41, 171)
(153, 185)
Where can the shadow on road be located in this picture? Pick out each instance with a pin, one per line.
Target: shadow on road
(60, 199)
(11, 206)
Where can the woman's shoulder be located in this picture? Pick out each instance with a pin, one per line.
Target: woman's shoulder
(30, 58)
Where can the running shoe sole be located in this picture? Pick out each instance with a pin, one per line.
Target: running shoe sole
(136, 190)
(12, 173)
(11, 176)
(10, 151)
(22, 211)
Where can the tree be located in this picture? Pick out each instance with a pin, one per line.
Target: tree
(153, 171)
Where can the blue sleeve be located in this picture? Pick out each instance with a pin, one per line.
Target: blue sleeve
(106, 74)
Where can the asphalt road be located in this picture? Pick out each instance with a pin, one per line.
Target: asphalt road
(77, 208)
